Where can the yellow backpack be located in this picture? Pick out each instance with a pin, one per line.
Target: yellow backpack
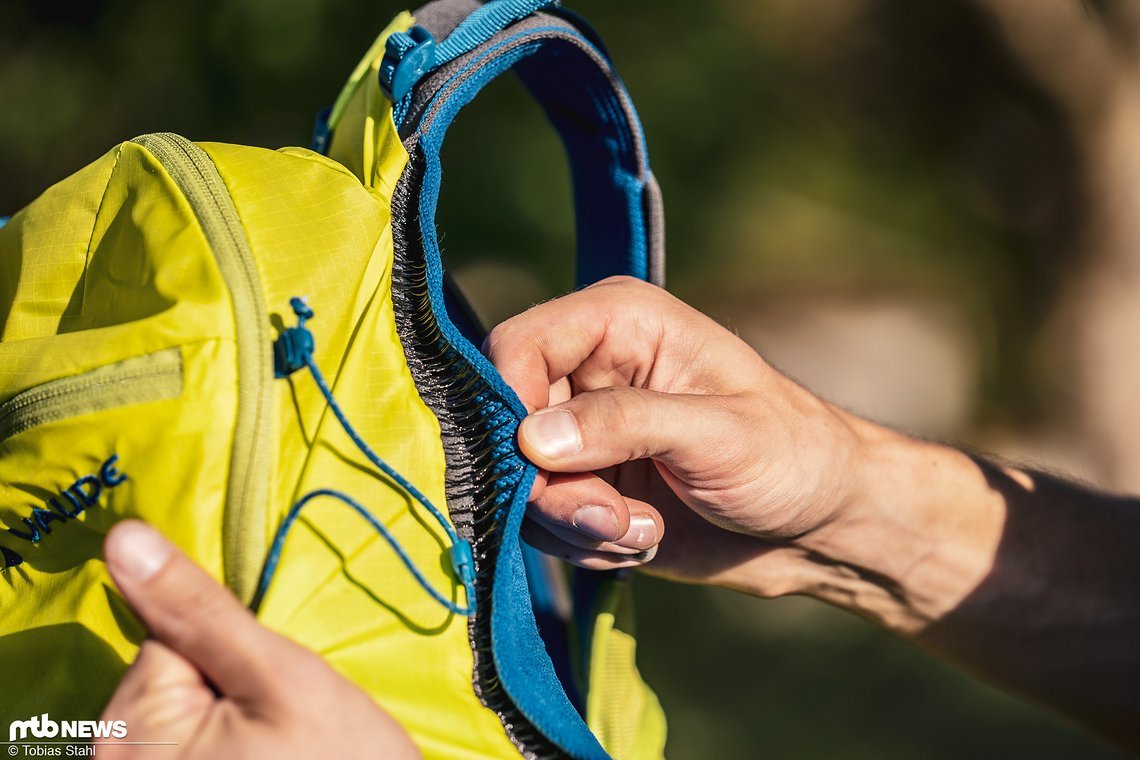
(259, 353)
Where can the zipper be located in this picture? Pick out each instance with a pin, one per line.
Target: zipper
(245, 523)
(153, 377)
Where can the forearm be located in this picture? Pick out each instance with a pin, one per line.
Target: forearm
(918, 535)
(1032, 582)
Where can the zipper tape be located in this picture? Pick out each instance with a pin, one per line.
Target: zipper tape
(140, 379)
(245, 529)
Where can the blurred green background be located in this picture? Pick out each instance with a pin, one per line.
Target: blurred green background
(877, 194)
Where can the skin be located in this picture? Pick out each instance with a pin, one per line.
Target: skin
(706, 465)
(215, 681)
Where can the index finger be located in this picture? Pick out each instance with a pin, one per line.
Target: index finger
(554, 339)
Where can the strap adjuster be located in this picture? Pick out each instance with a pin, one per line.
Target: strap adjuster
(407, 57)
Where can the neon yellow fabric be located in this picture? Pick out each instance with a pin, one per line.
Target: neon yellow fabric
(107, 265)
(355, 604)
(110, 272)
(150, 283)
(621, 710)
(364, 137)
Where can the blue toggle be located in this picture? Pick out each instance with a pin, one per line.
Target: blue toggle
(294, 347)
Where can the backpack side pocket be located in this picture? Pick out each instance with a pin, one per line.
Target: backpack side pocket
(152, 377)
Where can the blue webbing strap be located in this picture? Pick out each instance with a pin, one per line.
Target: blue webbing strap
(484, 24)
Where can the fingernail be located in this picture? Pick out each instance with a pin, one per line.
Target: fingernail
(137, 551)
(596, 522)
(642, 533)
(553, 434)
(645, 556)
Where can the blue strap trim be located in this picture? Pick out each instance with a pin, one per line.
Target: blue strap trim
(524, 667)
(4, 220)
(542, 580)
(605, 144)
(431, 143)
(294, 350)
(540, 577)
(603, 150)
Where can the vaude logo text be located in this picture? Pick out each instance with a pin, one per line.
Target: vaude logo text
(43, 727)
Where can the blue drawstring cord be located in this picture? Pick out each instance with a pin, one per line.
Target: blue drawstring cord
(294, 350)
(275, 553)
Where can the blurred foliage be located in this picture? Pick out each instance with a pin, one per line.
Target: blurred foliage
(803, 146)
(852, 145)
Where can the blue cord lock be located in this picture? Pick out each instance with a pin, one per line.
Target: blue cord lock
(407, 57)
(294, 347)
(463, 563)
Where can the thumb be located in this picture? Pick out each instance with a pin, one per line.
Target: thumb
(161, 696)
(606, 427)
(190, 613)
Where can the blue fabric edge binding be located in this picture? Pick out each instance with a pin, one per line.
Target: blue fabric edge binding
(524, 667)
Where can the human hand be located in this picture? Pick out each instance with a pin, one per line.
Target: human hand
(648, 414)
(655, 414)
(212, 679)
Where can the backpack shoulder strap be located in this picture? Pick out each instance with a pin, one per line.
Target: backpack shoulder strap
(620, 219)
(431, 71)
